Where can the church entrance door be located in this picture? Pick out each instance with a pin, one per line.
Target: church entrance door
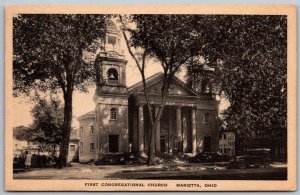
(207, 143)
(163, 143)
(113, 143)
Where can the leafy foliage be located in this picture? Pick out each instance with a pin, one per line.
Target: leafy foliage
(48, 121)
(249, 54)
(47, 126)
(48, 56)
(48, 47)
(169, 38)
(22, 133)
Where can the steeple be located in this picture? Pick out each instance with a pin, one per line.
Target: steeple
(110, 63)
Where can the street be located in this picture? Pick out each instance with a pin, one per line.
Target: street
(200, 171)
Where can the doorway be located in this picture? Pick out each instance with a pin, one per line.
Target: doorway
(163, 143)
(207, 144)
(113, 143)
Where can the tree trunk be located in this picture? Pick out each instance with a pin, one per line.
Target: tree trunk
(64, 146)
(152, 131)
(151, 146)
(54, 149)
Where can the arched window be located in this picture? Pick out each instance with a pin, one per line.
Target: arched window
(111, 40)
(205, 85)
(92, 130)
(113, 114)
(112, 76)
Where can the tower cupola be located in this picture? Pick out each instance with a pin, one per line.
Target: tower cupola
(112, 42)
(110, 63)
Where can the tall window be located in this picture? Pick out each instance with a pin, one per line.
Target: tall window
(113, 114)
(92, 130)
(207, 118)
(92, 146)
(81, 130)
(112, 76)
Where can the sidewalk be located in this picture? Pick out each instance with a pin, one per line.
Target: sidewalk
(195, 170)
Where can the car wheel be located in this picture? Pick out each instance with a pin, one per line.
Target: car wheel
(242, 165)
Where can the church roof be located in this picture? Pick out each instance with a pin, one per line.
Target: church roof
(138, 86)
(90, 114)
(154, 84)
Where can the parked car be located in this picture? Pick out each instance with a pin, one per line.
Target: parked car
(252, 158)
(209, 157)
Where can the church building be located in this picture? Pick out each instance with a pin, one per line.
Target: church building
(120, 122)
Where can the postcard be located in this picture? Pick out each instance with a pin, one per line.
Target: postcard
(150, 98)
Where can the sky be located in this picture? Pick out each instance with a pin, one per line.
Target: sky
(83, 102)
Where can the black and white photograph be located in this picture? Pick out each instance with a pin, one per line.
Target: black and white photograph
(145, 101)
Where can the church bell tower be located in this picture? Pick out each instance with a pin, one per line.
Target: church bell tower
(111, 99)
(110, 63)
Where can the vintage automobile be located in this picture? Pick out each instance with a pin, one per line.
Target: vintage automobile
(252, 158)
(204, 157)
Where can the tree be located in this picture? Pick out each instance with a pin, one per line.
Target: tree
(22, 133)
(170, 40)
(48, 57)
(47, 126)
(249, 55)
(48, 120)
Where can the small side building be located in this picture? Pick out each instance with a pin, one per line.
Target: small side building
(73, 154)
(87, 136)
(227, 143)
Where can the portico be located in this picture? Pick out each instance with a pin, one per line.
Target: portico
(176, 131)
(180, 129)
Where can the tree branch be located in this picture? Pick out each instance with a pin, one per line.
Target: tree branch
(128, 45)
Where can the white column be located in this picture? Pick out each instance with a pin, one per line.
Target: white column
(178, 124)
(157, 133)
(184, 133)
(179, 128)
(194, 130)
(170, 134)
(141, 129)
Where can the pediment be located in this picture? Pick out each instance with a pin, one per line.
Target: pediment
(154, 85)
(175, 89)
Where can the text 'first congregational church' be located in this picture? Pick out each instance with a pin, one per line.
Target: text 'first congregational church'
(120, 121)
